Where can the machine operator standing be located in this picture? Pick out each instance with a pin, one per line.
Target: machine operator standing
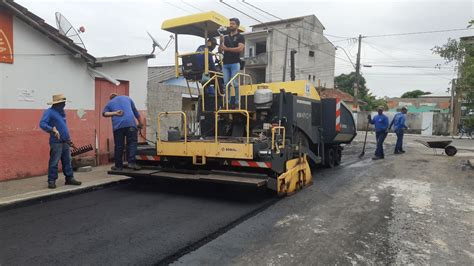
(232, 45)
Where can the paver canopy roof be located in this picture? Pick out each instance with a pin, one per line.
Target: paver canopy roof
(196, 24)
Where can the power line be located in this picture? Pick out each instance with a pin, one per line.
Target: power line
(411, 75)
(242, 4)
(414, 33)
(408, 66)
(268, 13)
(347, 56)
(178, 7)
(193, 6)
(405, 50)
(335, 36)
(379, 50)
(275, 29)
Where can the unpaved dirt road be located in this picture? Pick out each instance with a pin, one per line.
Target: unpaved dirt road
(416, 208)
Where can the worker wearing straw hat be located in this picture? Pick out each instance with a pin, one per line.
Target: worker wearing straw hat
(54, 123)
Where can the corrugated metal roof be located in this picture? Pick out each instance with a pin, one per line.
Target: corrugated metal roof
(161, 73)
(335, 93)
(123, 58)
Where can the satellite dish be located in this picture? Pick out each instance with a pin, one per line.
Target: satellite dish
(66, 29)
(156, 44)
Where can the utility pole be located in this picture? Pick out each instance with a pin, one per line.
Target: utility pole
(285, 60)
(292, 64)
(357, 81)
(451, 108)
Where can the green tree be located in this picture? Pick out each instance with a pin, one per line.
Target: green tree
(345, 83)
(462, 54)
(415, 94)
(373, 103)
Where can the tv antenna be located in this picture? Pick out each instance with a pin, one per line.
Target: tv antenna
(156, 44)
(66, 29)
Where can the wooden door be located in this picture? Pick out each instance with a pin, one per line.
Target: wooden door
(104, 131)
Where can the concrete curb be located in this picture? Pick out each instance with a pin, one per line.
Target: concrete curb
(7, 203)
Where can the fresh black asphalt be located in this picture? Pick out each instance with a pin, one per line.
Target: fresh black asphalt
(137, 223)
(146, 222)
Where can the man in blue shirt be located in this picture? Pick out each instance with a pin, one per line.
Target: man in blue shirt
(211, 45)
(123, 112)
(381, 127)
(399, 126)
(54, 123)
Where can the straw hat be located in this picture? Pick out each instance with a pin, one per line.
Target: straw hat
(58, 98)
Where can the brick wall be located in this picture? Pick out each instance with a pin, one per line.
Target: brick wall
(163, 98)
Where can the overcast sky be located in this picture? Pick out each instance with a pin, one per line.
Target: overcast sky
(119, 27)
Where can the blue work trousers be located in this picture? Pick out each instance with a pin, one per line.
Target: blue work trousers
(398, 146)
(129, 134)
(59, 151)
(380, 136)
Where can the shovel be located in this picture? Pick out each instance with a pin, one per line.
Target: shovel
(365, 141)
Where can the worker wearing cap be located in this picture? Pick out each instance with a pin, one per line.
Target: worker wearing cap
(211, 45)
(399, 127)
(380, 121)
(54, 123)
(123, 112)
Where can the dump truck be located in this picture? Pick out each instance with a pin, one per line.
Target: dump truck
(273, 137)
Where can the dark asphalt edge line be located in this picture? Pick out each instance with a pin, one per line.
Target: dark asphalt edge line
(214, 235)
(60, 195)
(207, 239)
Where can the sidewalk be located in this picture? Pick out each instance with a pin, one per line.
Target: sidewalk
(22, 190)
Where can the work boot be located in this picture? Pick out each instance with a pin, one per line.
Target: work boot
(134, 166)
(397, 152)
(402, 151)
(52, 185)
(73, 182)
(115, 168)
(376, 158)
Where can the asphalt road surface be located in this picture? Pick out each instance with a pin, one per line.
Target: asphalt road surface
(410, 209)
(136, 223)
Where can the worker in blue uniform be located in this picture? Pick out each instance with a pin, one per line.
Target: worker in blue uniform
(124, 113)
(380, 121)
(399, 127)
(54, 123)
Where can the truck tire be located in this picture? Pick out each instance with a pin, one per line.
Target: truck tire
(338, 156)
(330, 161)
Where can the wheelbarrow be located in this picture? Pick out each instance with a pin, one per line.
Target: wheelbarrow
(440, 144)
